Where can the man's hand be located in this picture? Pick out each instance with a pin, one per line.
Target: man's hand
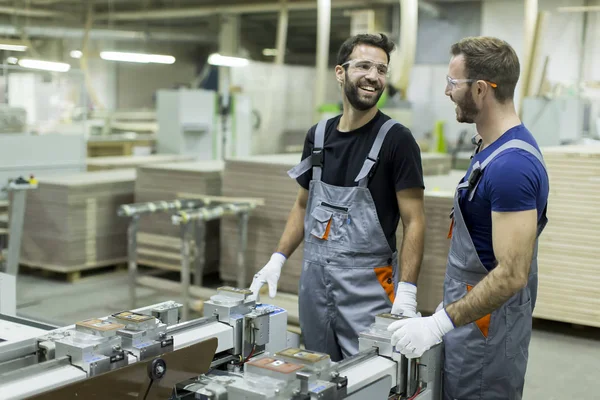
(406, 300)
(269, 274)
(414, 336)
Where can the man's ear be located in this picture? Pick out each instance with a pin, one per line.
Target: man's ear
(340, 73)
(482, 89)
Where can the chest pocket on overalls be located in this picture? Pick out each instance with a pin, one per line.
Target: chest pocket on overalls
(329, 222)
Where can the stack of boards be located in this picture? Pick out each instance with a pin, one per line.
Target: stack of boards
(71, 221)
(569, 273)
(126, 162)
(159, 241)
(266, 177)
(260, 177)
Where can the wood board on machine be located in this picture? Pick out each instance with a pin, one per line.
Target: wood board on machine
(266, 177)
(159, 241)
(71, 221)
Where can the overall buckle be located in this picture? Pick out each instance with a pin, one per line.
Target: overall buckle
(474, 177)
(316, 158)
(374, 167)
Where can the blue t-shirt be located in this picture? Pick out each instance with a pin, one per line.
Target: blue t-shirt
(514, 181)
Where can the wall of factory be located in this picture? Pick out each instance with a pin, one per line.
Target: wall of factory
(428, 76)
(120, 85)
(138, 83)
(505, 19)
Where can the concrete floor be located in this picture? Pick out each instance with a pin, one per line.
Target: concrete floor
(564, 360)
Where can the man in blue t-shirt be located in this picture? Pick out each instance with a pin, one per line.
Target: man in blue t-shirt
(490, 286)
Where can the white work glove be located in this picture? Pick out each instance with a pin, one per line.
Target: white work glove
(440, 306)
(414, 336)
(405, 302)
(268, 274)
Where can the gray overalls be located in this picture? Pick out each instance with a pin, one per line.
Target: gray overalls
(349, 271)
(486, 359)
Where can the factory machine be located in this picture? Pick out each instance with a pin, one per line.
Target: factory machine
(240, 350)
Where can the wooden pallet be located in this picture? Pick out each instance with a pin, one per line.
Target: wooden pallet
(71, 274)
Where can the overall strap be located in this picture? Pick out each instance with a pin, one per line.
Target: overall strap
(373, 158)
(315, 160)
(477, 170)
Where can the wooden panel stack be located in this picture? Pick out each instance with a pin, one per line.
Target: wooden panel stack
(262, 177)
(435, 163)
(159, 241)
(266, 177)
(121, 162)
(71, 221)
(569, 250)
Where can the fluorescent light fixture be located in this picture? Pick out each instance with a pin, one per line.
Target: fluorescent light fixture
(12, 47)
(12, 60)
(44, 65)
(579, 9)
(136, 57)
(225, 61)
(76, 53)
(270, 52)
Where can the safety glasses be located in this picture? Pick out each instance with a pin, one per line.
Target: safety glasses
(452, 83)
(365, 66)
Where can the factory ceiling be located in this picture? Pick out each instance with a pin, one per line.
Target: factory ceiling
(189, 21)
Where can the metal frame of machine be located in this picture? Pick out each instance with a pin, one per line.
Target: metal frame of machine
(9, 258)
(239, 350)
(191, 215)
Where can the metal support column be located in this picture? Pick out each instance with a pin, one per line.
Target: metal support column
(15, 229)
(282, 31)
(323, 32)
(243, 243)
(18, 201)
(200, 251)
(132, 231)
(186, 237)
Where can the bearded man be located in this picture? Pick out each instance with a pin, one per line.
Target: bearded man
(499, 212)
(360, 174)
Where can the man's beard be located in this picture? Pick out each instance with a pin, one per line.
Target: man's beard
(466, 110)
(356, 100)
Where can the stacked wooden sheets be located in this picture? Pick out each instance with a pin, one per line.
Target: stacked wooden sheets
(436, 163)
(159, 241)
(266, 177)
(261, 177)
(71, 221)
(569, 247)
(120, 162)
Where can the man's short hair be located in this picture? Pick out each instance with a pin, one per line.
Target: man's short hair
(490, 59)
(380, 40)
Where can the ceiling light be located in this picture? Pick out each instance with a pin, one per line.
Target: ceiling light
(76, 54)
(137, 57)
(269, 52)
(225, 61)
(13, 47)
(44, 65)
(579, 9)
(12, 60)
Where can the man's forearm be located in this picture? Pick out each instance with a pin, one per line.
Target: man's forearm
(488, 295)
(294, 231)
(411, 253)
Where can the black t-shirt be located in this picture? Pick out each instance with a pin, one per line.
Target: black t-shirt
(399, 165)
